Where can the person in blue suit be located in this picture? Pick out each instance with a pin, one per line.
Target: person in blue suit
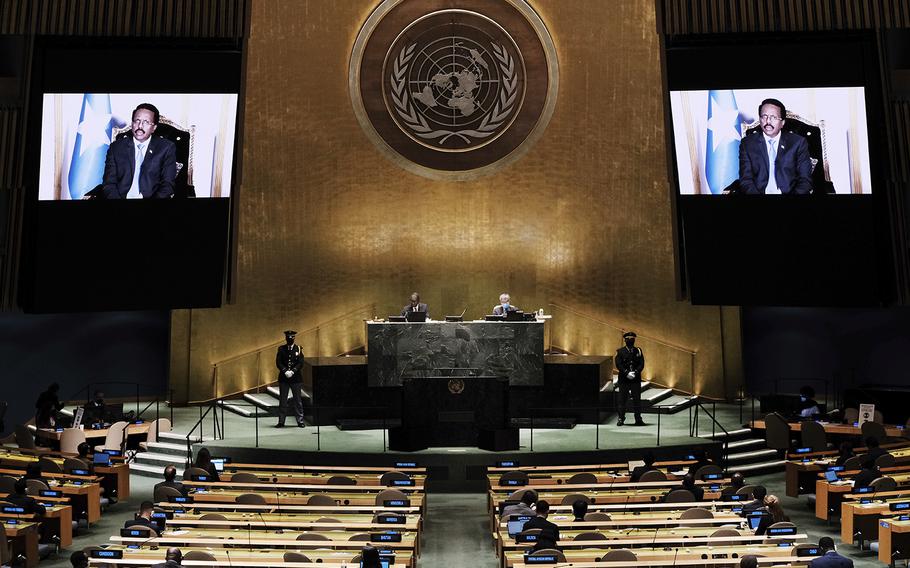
(830, 558)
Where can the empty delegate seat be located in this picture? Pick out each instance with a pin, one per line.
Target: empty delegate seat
(48, 465)
(598, 516)
(163, 493)
(679, 496)
(70, 439)
(390, 477)
(291, 556)
(696, 513)
(582, 478)
(341, 480)
(320, 500)
(199, 555)
(725, 532)
(707, 469)
(777, 432)
(592, 535)
(619, 555)
(812, 435)
(571, 498)
(251, 499)
(883, 484)
(116, 436)
(560, 557)
(514, 477)
(390, 495)
(245, 477)
(653, 475)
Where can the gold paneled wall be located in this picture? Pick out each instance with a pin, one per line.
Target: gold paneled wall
(583, 220)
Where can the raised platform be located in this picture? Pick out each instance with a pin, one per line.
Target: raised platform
(454, 469)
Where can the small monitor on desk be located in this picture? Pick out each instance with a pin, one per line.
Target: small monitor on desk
(494, 317)
(454, 318)
(516, 315)
(416, 317)
(99, 458)
(397, 319)
(831, 475)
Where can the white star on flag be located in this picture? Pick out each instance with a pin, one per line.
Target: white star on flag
(93, 129)
(722, 124)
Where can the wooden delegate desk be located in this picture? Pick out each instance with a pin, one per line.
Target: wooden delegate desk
(58, 517)
(328, 469)
(242, 556)
(893, 540)
(531, 470)
(288, 539)
(891, 431)
(321, 510)
(23, 538)
(319, 487)
(271, 521)
(830, 495)
(95, 437)
(235, 563)
(117, 473)
(319, 478)
(515, 558)
(793, 561)
(861, 519)
(297, 498)
(802, 472)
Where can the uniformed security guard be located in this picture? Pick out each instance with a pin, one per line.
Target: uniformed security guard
(289, 361)
(629, 362)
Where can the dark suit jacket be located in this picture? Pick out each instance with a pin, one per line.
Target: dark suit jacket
(420, 308)
(831, 559)
(289, 358)
(865, 477)
(156, 175)
(140, 521)
(172, 484)
(792, 168)
(627, 360)
(168, 564)
(549, 535)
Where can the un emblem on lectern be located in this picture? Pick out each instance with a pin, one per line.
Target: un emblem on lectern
(453, 92)
(456, 386)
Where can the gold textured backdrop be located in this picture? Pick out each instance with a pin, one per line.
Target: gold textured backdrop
(582, 222)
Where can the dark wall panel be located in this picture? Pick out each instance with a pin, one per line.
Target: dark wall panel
(76, 349)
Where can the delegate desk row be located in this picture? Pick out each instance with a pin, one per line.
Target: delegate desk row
(113, 470)
(830, 493)
(804, 465)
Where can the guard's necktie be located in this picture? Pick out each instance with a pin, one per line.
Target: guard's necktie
(772, 179)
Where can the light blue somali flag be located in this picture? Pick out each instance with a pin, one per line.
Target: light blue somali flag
(722, 148)
(93, 137)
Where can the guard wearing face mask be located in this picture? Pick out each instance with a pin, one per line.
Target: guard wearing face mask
(629, 362)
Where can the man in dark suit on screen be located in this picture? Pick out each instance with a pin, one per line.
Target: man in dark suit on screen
(771, 161)
(141, 166)
(289, 361)
(415, 305)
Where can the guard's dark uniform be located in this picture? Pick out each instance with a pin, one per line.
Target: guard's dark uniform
(290, 357)
(629, 360)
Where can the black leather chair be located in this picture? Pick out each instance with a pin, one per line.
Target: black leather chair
(815, 136)
(183, 140)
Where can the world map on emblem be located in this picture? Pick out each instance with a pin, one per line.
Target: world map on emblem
(454, 91)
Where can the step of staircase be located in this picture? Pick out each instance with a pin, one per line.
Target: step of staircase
(749, 457)
(731, 435)
(654, 395)
(265, 401)
(170, 448)
(176, 438)
(162, 459)
(745, 444)
(244, 410)
(273, 390)
(672, 404)
(768, 466)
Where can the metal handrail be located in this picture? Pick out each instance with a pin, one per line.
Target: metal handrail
(202, 416)
(686, 350)
(694, 425)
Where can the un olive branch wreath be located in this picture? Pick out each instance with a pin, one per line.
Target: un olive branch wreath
(491, 121)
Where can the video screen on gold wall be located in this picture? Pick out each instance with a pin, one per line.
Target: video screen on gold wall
(136, 145)
(801, 141)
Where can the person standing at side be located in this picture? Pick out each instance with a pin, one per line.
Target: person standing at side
(289, 361)
(629, 362)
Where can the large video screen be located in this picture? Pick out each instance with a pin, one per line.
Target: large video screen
(802, 141)
(136, 145)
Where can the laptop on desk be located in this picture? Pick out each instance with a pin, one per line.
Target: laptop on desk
(416, 317)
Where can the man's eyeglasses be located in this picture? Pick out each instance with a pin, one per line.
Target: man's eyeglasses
(142, 122)
(770, 118)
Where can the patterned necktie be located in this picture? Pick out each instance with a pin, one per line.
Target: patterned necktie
(134, 187)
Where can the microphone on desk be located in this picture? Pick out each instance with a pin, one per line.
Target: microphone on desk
(675, 554)
(654, 540)
(228, 556)
(249, 535)
(278, 502)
